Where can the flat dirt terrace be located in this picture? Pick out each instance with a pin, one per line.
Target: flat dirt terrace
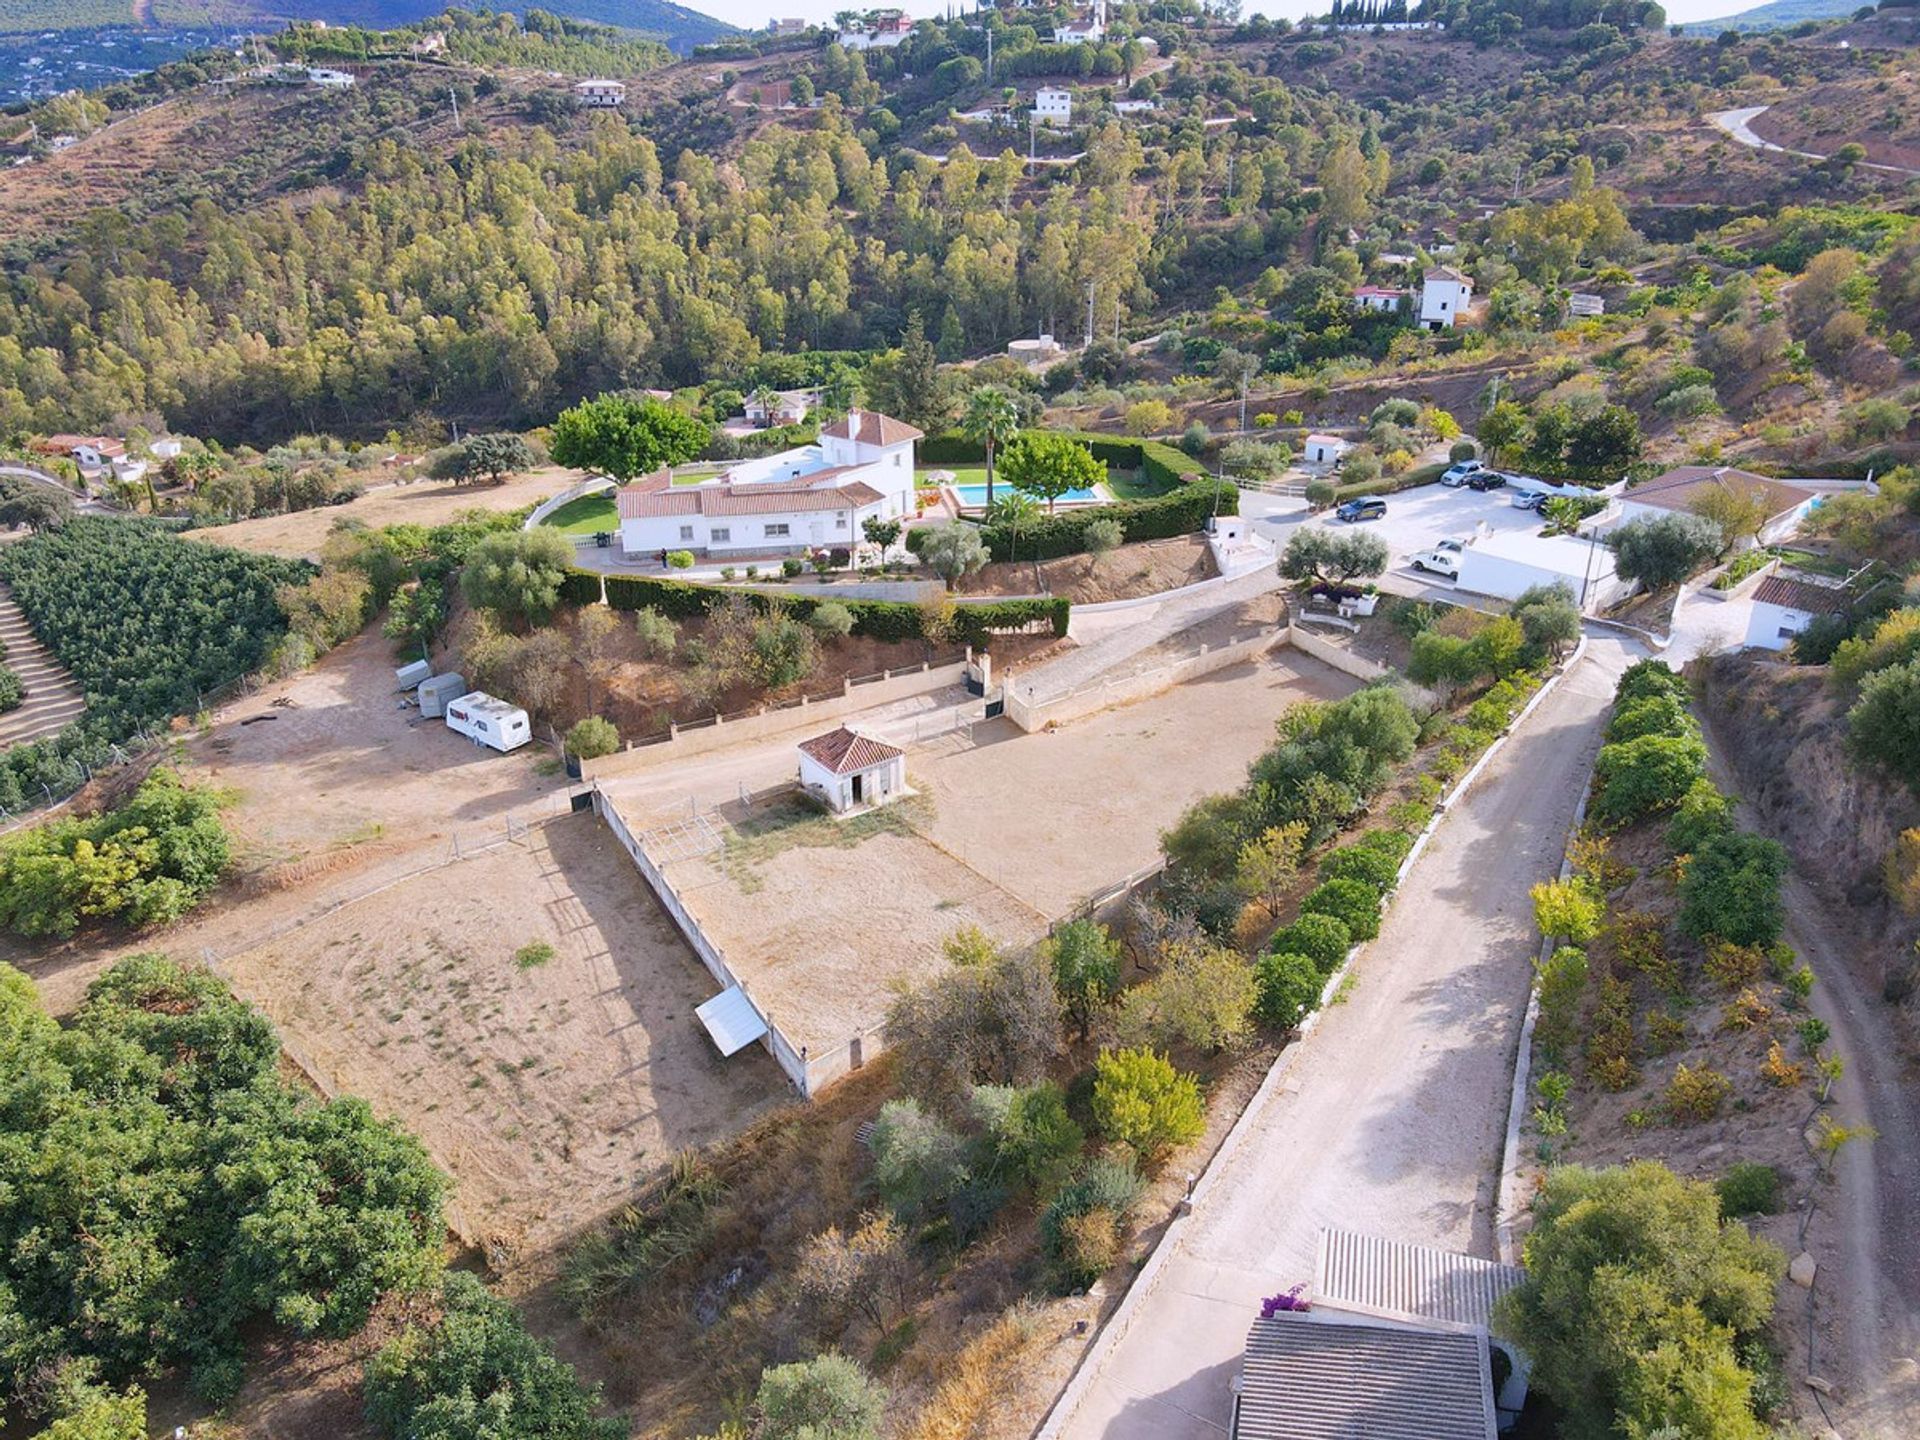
(823, 918)
(547, 1084)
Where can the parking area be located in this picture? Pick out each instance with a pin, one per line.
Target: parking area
(1415, 519)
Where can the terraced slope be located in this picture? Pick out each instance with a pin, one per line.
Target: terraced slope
(53, 699)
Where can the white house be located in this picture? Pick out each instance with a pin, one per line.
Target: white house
(811, 497)
(165, 448)
(786, 407)
(1444, 293)
(1377, 297)
(1784, 605)
(887, 30)
(786, 27)
(851, 771)
(1053, 105)
(1089, 29)
(601, 94)
(1507, 563)
(1681, 488)
(128, 470)
(1324, 450)
(1135, 107)
(330, 79)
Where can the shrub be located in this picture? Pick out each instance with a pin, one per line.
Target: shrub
(1080, 1228)
(1562, 981)
(1375, 868)
(1654, 715)
(478, 1357)
(1323, 939)
(1635, 1297)
(1636, 778)
(658, 634)
(12, 692)
(1645, 679)
(1749, 1188)
(1610, 1037)
(1567, 910)
(679, 559)
(1352, 903)
(1694, 1095)
(826, 1398)
(1702, 814)
(918, 1161)
(1104, 535)
(1665, 550)
(1032, 1137)
(1320, 494)
(1287, 988)
(1731, 890)
(1085, 961)
(1733, 966)
(997, 1023)
(591, 738)
(1141, 1101)
(1883, 727)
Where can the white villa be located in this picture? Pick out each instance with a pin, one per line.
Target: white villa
(1377, 297)
(810, 497)
(1444, 293)
(601, 94)
(1053, 105)
(1090, 29)
(887, 29)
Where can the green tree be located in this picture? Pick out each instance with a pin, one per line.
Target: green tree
(953, 551)
(1883, 727)
(1602, 445)
(475, 1373)
(906, 382)
(827, 1398)
(1503, 428)
(482, 457)
(591, 738)
(517, 574)
(1048, 465)
(1663, 550)
(1085, 961)
(881, 533)
(1141, 1101)
(1636, 1298)
(1332, 557)
(1548, 618)
(1269, 862)
(1201, 998)
(624, 438)
(1287, 987)
(1731, 890)
(990, 420)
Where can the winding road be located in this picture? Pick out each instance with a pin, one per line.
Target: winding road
(1737, 125)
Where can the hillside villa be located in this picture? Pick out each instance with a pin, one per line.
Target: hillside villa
(1444, 294)
(806, 498)
(1786, 502)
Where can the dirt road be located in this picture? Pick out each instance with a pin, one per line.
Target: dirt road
(1392, 1118)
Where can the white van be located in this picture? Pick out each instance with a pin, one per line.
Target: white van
(487, 721)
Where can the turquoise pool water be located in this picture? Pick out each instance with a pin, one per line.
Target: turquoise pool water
(974, 497)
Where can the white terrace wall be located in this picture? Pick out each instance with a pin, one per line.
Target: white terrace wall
(571, 493)
(784, 1053)
(1340, 658)
(707, 735)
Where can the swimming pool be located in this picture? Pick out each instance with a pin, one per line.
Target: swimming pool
(974, 497)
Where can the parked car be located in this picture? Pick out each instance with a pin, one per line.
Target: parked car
(1442, 559)
(1367, 507)
(1529, 499)
(1486, 480)
(1454, 476)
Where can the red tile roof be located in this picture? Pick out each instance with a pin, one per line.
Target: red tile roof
(1684, 484)
(1791, 594)
(1378, 291)
(870, 427)
(638, 502)
(846, 752)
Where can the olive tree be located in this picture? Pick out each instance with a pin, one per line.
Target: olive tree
(1332, 557)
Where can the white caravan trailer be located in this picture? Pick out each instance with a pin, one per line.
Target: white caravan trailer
(487, 721)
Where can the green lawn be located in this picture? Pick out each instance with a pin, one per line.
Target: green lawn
(588, 515)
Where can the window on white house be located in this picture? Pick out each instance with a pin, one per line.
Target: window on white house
(686, 532)
(898, 461)
(720, 533)
(777, 532)
(840, 522)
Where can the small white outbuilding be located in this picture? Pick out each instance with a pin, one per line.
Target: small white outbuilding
(1785, 605)
(851, 771)
(1324, 450)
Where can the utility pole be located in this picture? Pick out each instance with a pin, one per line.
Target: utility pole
(454, 96)
(1090, 288)
(1230, 159)
(989, 30)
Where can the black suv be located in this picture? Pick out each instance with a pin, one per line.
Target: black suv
(1486, 480)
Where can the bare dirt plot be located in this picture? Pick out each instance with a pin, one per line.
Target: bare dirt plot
(547, 1084)
(823, 918)
(1055, 816)
(423, 502)
(1123, 574)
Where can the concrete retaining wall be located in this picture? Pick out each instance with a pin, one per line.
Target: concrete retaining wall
(1340, 658)
(571, 493)
(683, 742)
(1032, 715)
(785, 1055)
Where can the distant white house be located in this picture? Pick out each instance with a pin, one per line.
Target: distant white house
(1444, 293)
(165, 448)
(1377, 297)
(851, 771)
(1785, 605)
(601, 94)
(1034, 349)
(1088, 29)
(1324, 450)
(786, 27)
(330, 79)
(783, 407)
(1135, 107)
(811, 497)
(884, 31)
(1586, 305)
(1053, 105)
(128, 470)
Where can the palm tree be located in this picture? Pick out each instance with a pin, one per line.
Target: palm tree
(1017, 514)
(991, 420)
(766, 399)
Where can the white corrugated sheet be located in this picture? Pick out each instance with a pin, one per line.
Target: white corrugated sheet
(733, 1020)
(1398, 1281)
(1310, 1377)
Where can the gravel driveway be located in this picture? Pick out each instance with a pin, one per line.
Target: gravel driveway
(1392, 1119)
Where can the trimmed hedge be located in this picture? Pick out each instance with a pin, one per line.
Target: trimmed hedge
(1154, 459)
(889, 620)
(1180, 513)
(1390, 484)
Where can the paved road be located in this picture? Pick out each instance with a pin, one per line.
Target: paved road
(1393, 1117)
(84, 505)
(1738, 126)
